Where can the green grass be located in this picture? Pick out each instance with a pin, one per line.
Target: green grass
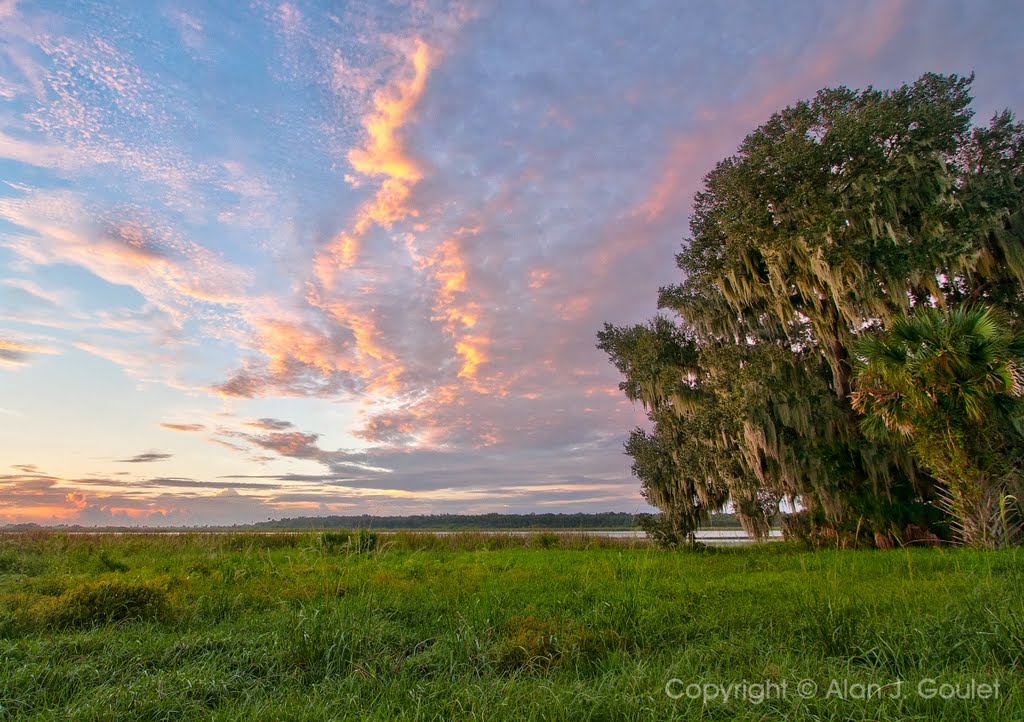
(551, 627)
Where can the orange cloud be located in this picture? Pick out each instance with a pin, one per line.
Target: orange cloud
(390, 428)
(368, 340)
(284, 343)
(383, 155)
(574, 308)
(449, 270)
(299, 357)
(39, 513)
(75, 499)
(472, 353)
(669, 191)
(453, 306)
(378, 367)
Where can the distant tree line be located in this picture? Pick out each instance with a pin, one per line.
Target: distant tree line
(610, 520)
(453, 522)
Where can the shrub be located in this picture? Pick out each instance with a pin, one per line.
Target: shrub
(355, 542)
(110, 564)
(16, 562)
(529, 644)
(814, 532)
(661, 530)
(797, 527)
(545, 540)
(105, 603)
(364, 540)
(334, 540)
(249, 542)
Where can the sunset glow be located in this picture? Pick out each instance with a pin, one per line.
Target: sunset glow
(283, 259)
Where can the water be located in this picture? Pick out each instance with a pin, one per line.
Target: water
(714, 537)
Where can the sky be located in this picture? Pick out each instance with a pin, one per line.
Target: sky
(280, 259)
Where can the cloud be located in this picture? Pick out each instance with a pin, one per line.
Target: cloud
(289, 18)
(454, 306)
(182, 427)
(56, 227)
(240, 385)
(383, 155)
(152, 502)
(178, 483)
(13, 354)
(295, 444)
(39, 153)
(146, 458)
(34, 292)
(288, 443)
(189, 27)
(299, 357)
(267, 424)
(18, 353)
(366, 361)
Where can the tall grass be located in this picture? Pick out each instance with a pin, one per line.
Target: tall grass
(464, 626)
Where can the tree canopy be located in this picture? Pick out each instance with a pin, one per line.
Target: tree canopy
(833, 219)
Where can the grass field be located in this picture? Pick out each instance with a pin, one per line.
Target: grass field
(405, 626)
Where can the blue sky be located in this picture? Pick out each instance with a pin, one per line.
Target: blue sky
(280, 259)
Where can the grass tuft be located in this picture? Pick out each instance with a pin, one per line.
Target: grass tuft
(106, 602)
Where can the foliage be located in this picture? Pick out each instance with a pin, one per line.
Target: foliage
(951, 386)
(665, 531)
(545, 540)
(109, 563)
(837, 216)
(352, 542)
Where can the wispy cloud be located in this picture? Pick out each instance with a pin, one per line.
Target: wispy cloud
(56, 227)
(182, 427)
(146, 458)
(267, 424)
(18, 353)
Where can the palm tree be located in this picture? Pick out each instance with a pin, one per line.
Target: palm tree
(951, 386)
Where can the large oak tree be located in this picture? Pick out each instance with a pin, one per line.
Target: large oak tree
(834, 218)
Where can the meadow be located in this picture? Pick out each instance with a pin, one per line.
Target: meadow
(318, 626)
